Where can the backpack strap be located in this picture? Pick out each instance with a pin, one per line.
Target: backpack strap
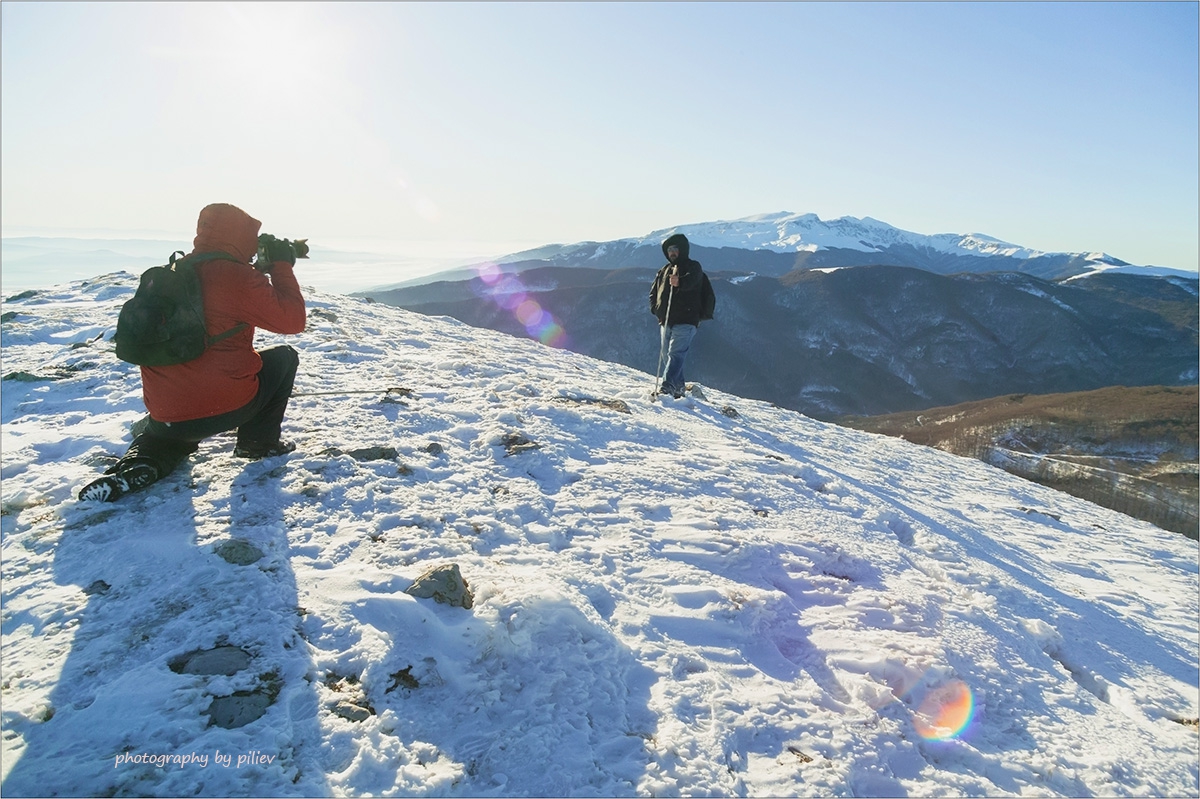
(201, 257)
(238, 328)
(188, 261)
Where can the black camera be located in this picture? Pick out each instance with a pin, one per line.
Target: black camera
(272, 249)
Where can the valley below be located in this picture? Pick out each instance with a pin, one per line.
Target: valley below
(1133, 450)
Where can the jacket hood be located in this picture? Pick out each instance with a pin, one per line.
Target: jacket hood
(679, 240)
(226, 228)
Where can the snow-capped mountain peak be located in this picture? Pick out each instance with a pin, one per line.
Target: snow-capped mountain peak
(790, 232)
(785, 232)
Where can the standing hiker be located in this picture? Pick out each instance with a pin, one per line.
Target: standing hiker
(681, 297)
(231, 385)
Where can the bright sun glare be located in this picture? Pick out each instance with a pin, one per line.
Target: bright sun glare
(282, 52)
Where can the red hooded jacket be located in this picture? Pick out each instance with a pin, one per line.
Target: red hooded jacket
(225, 377)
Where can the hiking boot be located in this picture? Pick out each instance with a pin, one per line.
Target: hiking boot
(256, 452)
(111, 487)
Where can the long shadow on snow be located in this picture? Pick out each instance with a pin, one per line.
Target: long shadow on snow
(1006, 728)
(779, 645)
(156, 596)
(1091, 627)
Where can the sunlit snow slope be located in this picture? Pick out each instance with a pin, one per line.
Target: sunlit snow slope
(699, 597)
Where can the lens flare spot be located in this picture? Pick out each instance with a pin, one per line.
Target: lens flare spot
(530, 313)
(553, 335)
(507, 291)
(945, 712)
(490, 273)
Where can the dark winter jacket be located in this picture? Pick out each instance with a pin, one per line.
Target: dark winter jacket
(692, 300)
(225, 377)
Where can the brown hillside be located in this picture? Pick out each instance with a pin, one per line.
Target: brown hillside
(1131, 449)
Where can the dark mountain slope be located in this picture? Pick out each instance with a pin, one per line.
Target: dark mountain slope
(868, 340)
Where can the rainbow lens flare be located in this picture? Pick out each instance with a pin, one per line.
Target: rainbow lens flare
(507, 292)
(945, 711)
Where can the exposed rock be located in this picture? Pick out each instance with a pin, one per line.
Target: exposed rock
(353, 705)
(403, 679)
(515, 443)
(351, 712)
(444, 584)
(227, 660)
(374, 454)
(239, 553)
(238, 710)
(377, 453)
(243, 707)
(620, 406)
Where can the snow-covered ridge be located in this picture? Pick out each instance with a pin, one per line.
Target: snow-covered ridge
(790, 232)
(699, 597)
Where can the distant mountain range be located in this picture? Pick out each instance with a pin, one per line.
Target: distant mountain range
(919, 321)
(778, 243)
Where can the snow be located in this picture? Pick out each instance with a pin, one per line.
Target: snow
(1179, 277)
(705, 596)
(1032, 289)
(789, 232)
(785, 231)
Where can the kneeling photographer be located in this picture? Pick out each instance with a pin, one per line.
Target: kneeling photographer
(246, 282)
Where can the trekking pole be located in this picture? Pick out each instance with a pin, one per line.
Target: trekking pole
(662, 346)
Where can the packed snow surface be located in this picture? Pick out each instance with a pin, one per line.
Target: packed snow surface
(705, 596)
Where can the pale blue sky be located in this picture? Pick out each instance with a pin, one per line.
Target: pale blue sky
(1057, 126)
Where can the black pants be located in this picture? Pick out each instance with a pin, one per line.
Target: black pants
(258, 422)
